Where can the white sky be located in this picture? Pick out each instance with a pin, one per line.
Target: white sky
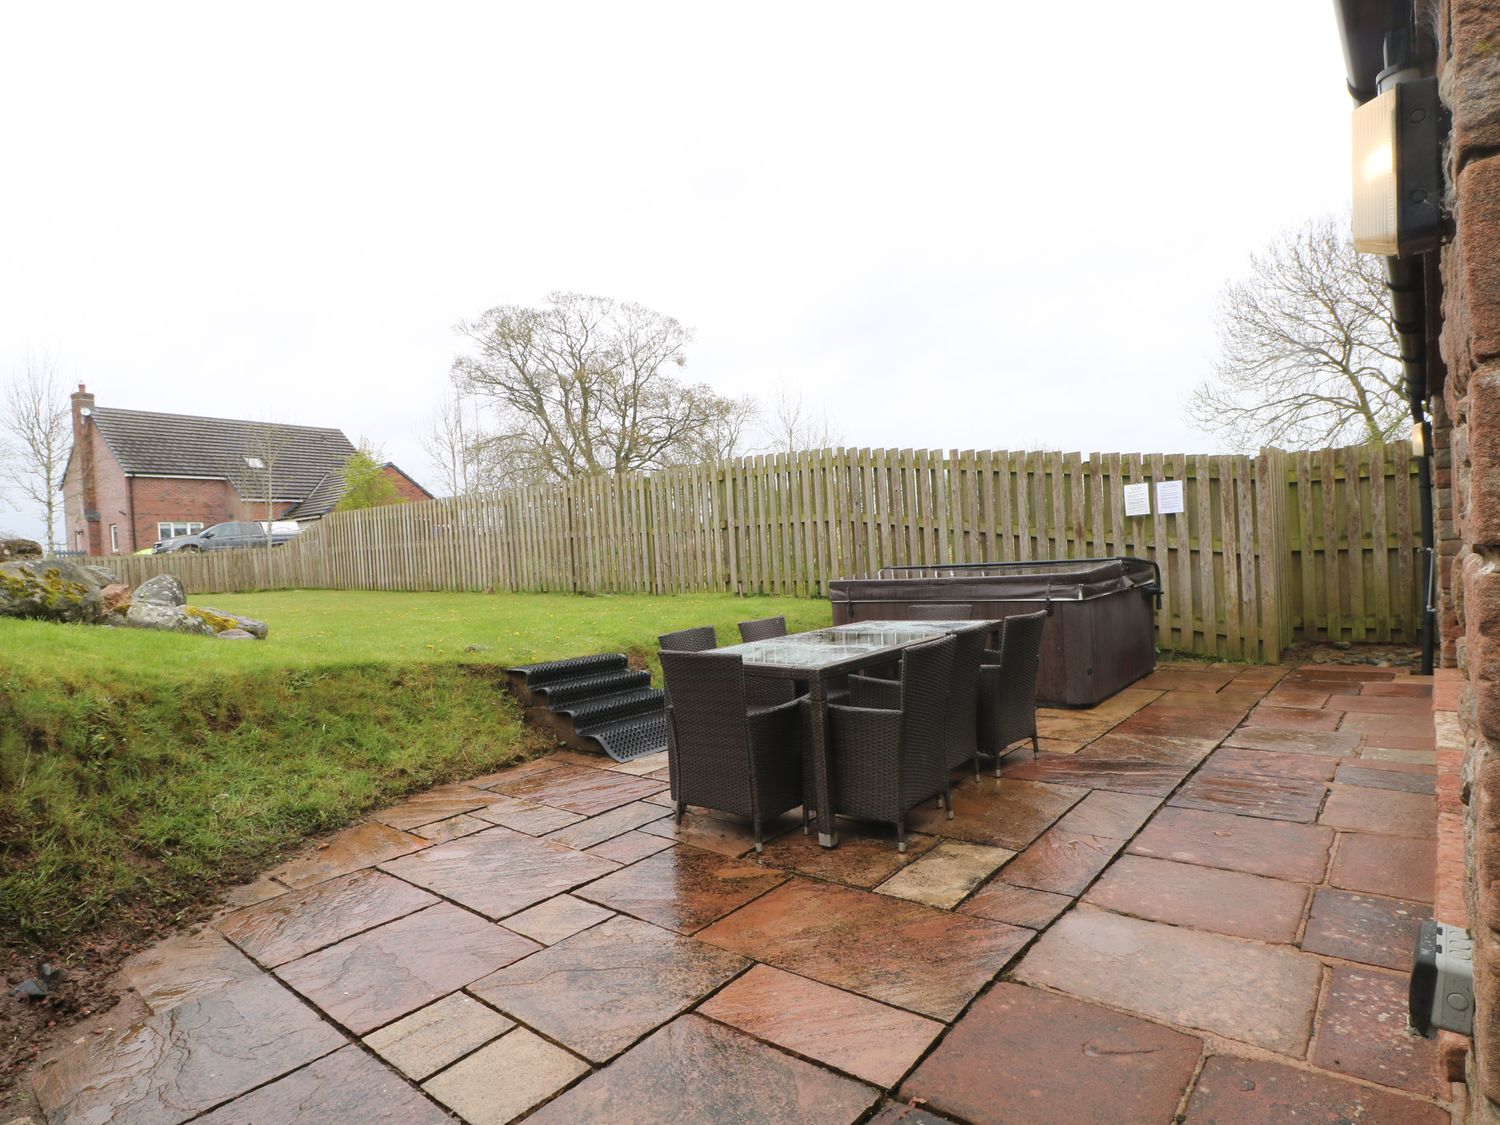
(971, 225)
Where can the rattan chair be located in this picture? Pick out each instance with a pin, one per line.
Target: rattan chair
(727, 755)
(961, 724)
(700, 639)
(1007, 688)
(888, 761)
(937, 611)
(763, 629)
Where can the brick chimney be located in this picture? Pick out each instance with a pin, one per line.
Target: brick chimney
(83, 444)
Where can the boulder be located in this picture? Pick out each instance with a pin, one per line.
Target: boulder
(167, 619)
(257, 629)
(14, 550)
(236, 635)
(105, 576)
(164, 589)
(115, 596)
(50, 589)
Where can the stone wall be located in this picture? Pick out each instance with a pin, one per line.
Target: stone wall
(1468, 462)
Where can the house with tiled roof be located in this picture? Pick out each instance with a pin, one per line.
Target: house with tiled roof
(137, 476)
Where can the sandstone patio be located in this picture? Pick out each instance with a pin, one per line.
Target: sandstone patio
(1199, 900)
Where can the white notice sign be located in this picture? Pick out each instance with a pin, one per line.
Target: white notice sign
(1169, 496)
(1137, 500)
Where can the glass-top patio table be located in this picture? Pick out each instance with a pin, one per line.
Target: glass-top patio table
(816, 659)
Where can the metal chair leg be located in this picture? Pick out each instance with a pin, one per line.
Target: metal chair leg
(758, 845)
(805, 829)
(948, 800)
(1036, 749)
(901, 835)
(680, 808)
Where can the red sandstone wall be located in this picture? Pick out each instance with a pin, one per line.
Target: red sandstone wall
(1468, 33)
(409, 492)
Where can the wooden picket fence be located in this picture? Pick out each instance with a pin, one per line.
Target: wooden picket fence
(1311, 545)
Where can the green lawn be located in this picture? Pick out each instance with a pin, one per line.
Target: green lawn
(139, 769)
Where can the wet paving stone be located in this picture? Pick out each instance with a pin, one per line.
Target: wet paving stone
(248, 894)
(865, 857)
(1241, 990)
(697, 1070)
(1167, 678)
(1383, 812)
(1366, 704)
(898, 1113)
(1236, 1091)
(606, 826)
(499, 1083)
(630, 846)
(1229, 701)
(436, 804)
(520, 816)
(1000, 901)
(1294, 718)
(1122, 746)
(1386, 865)
(683, 889)
(1062, 862)
(451, 829)
(1381, 728)
(383, 974)
(1008, 813)
(946, 874)
(1327, 744)
(925, 960)
(188, 1059)
(557, 918)
(513, 773)
(1306, 698)
(1026, 1057)
(640, 767)
(1363, 1033)
(1082, 770)
(871, 1041)
(430, 1038)
(1386, 779)
(1375, 931)
(499, 872)
(1118, 816)
(714, 832)
(1162, 723)
(600, 990)
(1204, 898)
(1270, 798)
(1426, 756)
(1269, 763)
(1280, 849)
(1066, 725)
(299, 922)
(185, 967)
(355, 848)
(580, 789)
(347, 1085)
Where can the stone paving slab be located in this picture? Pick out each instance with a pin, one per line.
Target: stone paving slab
(1026, 1057)
(1357, 808)
(1204, 898)
(946, 874)
(1298, 852)
(865, 857)
(697, 1070)
(1237, 1091)
(501, 1082)
(579, 789)
(1354, 927)
(431, 1038)
(1000, 901)
(1242, 990)
(1386, 865)
(1270, 798)
(1062, 862)
(353, 850)
(683, 889)
(557, 918)
(1363, 1033)
(870, 1041)
(188, 1059)
(600, 990)
(1008, 813)
(184, 967)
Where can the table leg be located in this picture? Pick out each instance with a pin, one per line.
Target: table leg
(822, 766)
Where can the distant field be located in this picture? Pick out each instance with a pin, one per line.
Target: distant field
(138, 769)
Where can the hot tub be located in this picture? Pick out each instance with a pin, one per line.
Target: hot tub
(1100, 634)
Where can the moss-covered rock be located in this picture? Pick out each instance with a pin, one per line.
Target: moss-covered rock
(50, 589)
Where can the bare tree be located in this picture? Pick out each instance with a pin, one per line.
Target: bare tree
(1308, 349)
(36, 436)
(266, 444)
(456, 444)
(795, 426)
(585, 385)
(722, 437)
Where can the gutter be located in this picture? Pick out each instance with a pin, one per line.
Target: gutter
(1381, 49)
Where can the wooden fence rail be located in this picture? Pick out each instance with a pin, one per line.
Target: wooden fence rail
(1318, 545)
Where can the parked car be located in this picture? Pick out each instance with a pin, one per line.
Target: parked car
(230, 536)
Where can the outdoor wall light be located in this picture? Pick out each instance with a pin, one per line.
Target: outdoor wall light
(1398, 172)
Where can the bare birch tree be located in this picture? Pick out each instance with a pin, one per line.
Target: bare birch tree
(795, 426)
(1308, 349)
(266, 445)
(586, 385)
(36, 436)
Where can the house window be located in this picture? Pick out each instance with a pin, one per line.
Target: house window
(114, 538)
(255, 462)
(175, 529)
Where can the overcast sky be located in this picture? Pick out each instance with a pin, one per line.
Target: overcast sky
(949, 225)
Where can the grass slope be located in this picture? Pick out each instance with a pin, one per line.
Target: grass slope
(138, 769)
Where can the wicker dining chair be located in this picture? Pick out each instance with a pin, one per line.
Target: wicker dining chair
(1007, 688)
(961, 724)
(888, 761)
(763, 629)
(939, 611)
(700, 639)
(727, 754)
